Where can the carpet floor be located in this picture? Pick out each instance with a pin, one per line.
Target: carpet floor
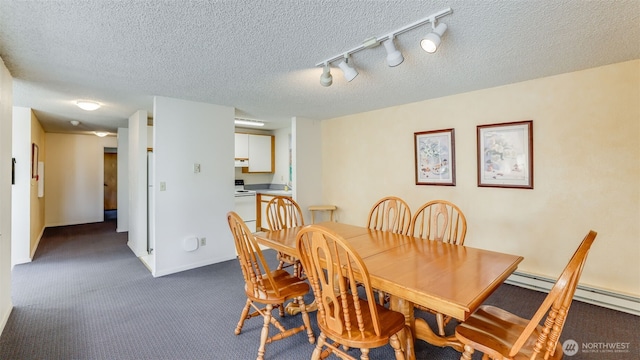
(86, 296)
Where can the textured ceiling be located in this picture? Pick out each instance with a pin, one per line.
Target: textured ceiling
(259, 56)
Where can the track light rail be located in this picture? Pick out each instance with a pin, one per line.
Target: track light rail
(368, 43)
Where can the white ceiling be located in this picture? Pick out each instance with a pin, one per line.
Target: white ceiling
(260, 56)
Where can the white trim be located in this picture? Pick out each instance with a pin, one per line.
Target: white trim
(5, 318)
(608, 299)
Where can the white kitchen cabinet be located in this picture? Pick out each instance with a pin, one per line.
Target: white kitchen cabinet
(242, 146)
(261, 154)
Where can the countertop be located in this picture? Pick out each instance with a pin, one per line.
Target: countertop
(274, 192)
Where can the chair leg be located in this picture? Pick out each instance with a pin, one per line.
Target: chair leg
(305, 320)
(264, 335)
(318, 350)
(243, 317)
(397, 347)
(364, 354)
(468, 351)
(440, 321)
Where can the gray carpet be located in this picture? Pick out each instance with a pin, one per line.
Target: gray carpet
(86, 296)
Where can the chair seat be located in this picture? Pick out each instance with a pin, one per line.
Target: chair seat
(489, 321)
(391, 322)
(288, 285)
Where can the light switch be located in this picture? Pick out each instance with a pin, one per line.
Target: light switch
(163, 186)
(196, 168)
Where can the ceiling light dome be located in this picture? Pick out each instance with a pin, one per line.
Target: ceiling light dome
(87, 105)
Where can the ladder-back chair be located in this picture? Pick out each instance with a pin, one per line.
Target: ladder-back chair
(502, 335)
(283, 212)
(262, 286)
(390, 214)
(439, 220)
(351, 318)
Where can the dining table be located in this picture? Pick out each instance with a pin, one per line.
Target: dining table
(453, 280)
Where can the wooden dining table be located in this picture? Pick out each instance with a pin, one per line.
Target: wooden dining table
(451, 279)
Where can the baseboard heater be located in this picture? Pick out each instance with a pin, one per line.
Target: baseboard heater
(604, 298)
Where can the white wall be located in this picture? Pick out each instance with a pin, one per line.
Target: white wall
(194, 204)
(138, 183)
(6, 107)
(281, 174)
(21, 191)
(307, 173)
(586, 131)
(123, 180)
(75, 178)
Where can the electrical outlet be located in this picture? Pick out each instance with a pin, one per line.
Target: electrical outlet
(203, 241)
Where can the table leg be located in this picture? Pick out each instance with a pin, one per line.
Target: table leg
(424, 332)
(419, 329)
(293, 308)
(405, 307)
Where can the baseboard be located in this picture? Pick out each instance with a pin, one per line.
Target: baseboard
(33, 251)
(608, 299)
(5, 317)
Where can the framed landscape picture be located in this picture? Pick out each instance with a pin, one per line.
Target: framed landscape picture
(435, 162)
(505, 155)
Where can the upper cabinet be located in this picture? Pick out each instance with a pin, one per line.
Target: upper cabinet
(242, 146)
(259, 149)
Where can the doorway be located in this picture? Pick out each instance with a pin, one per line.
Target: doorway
(110, 184)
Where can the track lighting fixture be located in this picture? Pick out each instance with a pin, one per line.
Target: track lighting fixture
(347, 70)
(431, 42)
(394, 56)
(326, 79)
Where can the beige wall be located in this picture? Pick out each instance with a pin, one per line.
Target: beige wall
(586, 128)
(37, 204)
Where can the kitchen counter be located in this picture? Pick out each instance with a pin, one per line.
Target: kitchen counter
(273, 192)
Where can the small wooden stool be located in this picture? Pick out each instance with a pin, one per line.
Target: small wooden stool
(314, 208)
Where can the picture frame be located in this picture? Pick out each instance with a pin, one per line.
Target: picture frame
(505, 155)
(435, 162)
(34, 161)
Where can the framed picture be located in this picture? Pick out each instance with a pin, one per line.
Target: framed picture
(435, 161)
(505, 155)
(34, 161)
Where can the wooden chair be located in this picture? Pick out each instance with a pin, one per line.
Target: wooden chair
(390, 214)
(439, 220)
(502, 335)
(443, 221)
(332, 268)
(283, 212)
(265, 287)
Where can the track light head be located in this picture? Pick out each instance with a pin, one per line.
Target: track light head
(347, 70)
(326, 79)
(394, 57)
(431, 42)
